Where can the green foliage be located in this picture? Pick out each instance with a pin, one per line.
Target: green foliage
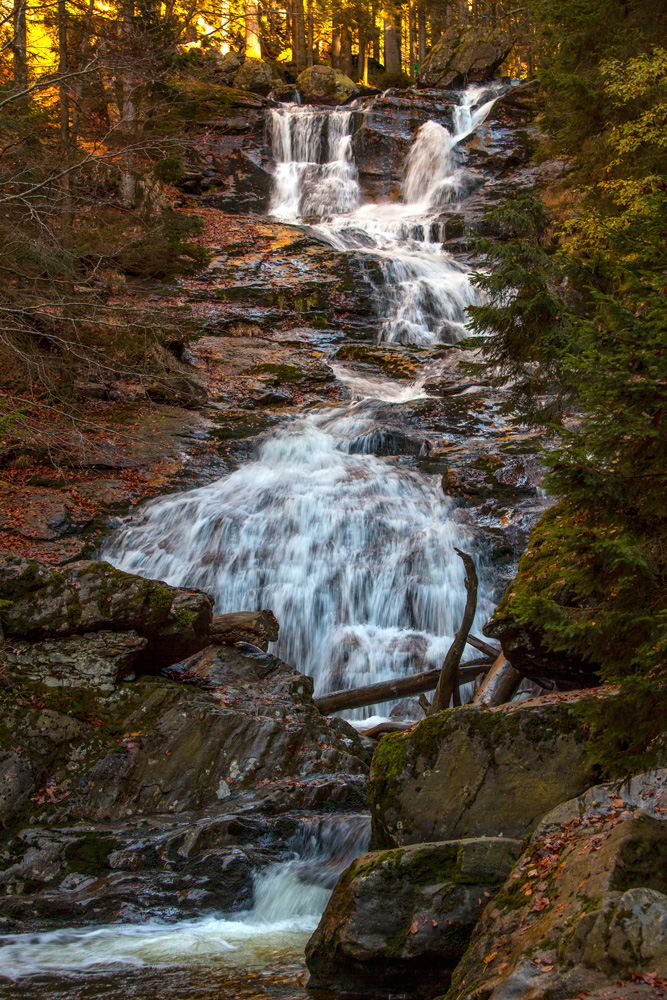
(575, 330)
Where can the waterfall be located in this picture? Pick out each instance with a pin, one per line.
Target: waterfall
(315, 174)
(354, 555)
(425, 291)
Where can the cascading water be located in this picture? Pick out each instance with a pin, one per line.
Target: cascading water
(425, 291)
(289, 899)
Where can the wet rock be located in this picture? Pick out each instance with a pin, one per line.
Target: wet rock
(585, 907)
(177, 390)
(465, 56)
(83, 597)
(325, 85)
(472, 771)
(257, 76)
(408, 710)
(16, 783)
(98, 659)
(404, 917)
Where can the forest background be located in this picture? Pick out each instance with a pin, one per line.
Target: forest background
(96, 98)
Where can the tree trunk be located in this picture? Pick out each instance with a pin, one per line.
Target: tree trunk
(335, 36)
(128, 181)
(20, 46)
(376, 33)
(311, 35)
(448, 684)
(63, 96)
(399, 687)
(362, 66)
(412, 41)
(499, 684)
(345, 61)
(78, 86)
(392, 47)
(421, 31)
(253, 45)
(300, 36)
(463, 12)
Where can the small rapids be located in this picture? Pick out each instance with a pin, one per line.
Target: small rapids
(289, 900)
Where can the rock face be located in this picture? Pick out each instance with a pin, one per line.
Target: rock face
(156, 792)
(472, 772)
(325, 85)
(585, 907)
(257, 76)
(462, 57)
(406, 915)
(88, 596)
(99, 659)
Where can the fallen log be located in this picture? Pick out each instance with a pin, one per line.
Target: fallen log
(448, 683)
(256, 627)
(483, 647)
(382, 728)
(499, 684)
(399, 687)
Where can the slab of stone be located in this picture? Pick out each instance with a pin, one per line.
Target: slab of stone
(100, 659)
(472, 771)
(403, 917)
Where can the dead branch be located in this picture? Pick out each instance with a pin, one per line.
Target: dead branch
(448, 684)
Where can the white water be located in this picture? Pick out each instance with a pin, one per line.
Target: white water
(289, 900)
(353, 552)
(425, 290)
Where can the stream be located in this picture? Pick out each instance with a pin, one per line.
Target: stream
(354, 553)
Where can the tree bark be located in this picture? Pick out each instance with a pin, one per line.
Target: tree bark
(412, 41)
(311, 35)
(345, 61)
(421, 31)
(253, 45)
(499, 684)
(448, 684)
(335, 36)
(128, 181)
(20, 46)
(399, 687)
(463, 12)
(392, 46)
(63, 96)
(300, 36)
(483, 647)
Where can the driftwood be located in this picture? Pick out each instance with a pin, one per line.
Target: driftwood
(483, 647)
(499, 684)
(400, 687)
(256, 627)
(448, 683)
(382, 728)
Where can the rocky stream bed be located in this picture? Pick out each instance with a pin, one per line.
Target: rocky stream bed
(177, 811)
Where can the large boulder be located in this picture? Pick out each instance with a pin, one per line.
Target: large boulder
(479, 772)
(585, 909)
(465, 56)
(404, 917)
(45, 602)
(325, 85)
(257, 76)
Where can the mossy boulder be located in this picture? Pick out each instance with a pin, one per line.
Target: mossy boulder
(471, 771)
(465, 56)
(97, 659)
(45, 602)
(404, 917)
(257, 76)
(586, 905)
(325, 85)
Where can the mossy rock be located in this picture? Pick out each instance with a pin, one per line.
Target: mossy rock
(325, 85)
(472, 771)
(405, 916)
